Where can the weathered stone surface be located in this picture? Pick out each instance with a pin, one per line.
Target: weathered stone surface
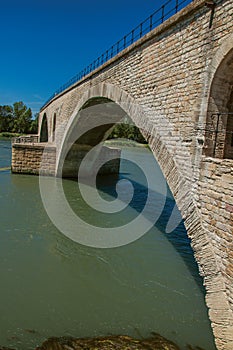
(41, 160)
(27, 159)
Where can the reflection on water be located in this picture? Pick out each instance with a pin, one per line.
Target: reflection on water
(51, 286)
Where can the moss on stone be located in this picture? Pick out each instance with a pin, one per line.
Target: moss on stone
(156, 342)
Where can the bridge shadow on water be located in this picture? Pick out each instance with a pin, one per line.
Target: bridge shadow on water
(106, 184)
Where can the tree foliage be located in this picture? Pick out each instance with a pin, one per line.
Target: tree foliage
(127, 131)
(6, 120)
(17, 119)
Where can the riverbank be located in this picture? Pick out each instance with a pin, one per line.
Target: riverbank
(9, 135)
(108, 343)
(113, 142)
(125, 143)
(156, 342)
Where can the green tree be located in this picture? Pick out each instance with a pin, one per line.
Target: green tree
(127, 131)
(6, 118)
(22, 118)
(34, 124)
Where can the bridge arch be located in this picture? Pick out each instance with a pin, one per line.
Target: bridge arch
(44, 129)
(141, 116)
(219, 122)
(54, 127)
(179, 176)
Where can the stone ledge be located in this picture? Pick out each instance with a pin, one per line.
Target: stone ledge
(34, 146)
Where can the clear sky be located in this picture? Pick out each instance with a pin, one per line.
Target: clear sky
(46, 42)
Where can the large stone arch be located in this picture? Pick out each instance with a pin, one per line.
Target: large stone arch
(180, 178)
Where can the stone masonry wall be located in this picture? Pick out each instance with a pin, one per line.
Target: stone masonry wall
(27, 159)
(216, 206)
(77, 153)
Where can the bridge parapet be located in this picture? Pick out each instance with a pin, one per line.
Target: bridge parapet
(167, 10)
(25, 139)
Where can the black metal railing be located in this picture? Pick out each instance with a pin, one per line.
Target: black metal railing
(26, 139)
(167, 10)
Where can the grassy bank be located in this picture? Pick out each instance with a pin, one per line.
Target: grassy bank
(121, 142)
(9, 135)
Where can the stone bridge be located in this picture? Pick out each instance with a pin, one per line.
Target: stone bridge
(176, 85)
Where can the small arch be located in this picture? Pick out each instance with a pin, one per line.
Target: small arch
(219, 122)
(54, 127)
(44, 129)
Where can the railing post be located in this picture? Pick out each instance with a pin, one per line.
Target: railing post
(112, 52)
(162, 17)
(216, 134)
(177, 5)
(132, 36)
(140, 30)
(118, 47)
(124, 41)
(151, 22)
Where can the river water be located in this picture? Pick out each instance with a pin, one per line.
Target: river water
(52, 286)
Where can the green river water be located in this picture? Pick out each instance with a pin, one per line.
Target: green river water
(52, 286)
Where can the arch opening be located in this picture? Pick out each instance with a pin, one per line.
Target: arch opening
(44, 129)
(219, 126)
(95, 123)
(54, 127)
(92, 126)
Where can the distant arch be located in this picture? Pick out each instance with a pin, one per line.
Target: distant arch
(44, 129)
(54, 127)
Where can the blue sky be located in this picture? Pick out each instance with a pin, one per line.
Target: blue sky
(46, 42)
